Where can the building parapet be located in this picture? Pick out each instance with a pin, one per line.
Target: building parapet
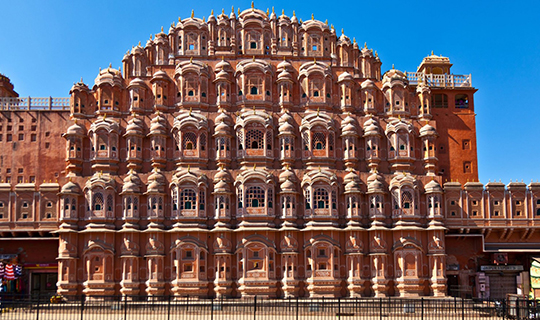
(34, 104)
(440, 80)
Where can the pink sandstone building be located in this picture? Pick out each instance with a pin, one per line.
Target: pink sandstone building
(259, 154)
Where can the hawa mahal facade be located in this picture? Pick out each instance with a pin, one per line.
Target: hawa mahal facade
(258, 154)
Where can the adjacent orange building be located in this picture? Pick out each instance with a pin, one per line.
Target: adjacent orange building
(257, 154)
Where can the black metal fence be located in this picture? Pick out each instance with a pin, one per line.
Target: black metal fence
(171, 308)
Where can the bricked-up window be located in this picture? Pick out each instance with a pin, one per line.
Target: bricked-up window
(462, 101)
(255, 197)
(467, 167)
(439, 100)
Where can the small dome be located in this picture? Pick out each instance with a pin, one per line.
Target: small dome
(156, 182)
(284, 75)
(343, 39)
(348, 126)
(351, 181)
(71, 188)
(371, 127)
(393, 75)
(345, 76)
(221, 180)
(222, 75)
(285, 124)
(366, 52)
(158, 125)
(76, 130)
(79, 86)
(427, 130)
(132, 183)
(223, 117)
(137, 82)
(288, 186)
(287, 179)
(134, 127)
(368, 84)
(287, 174)
(223, 65)
(222, 129)
(375, 183)
(433, 187)
(222, 187)
(284, 65)
(138, 49)
(160, 75)
(110, 76)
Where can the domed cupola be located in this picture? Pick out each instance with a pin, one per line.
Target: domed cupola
(349, 126)
(375, 183)
(132, 183)
(288, 180)
(428, 130)
(81, 99)
(352, 182)
(285, 124)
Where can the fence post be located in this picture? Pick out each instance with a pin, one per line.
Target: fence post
(339, 306)
(82, 307)
(212, 309)
(422, 304)
(517, 309)
(462, 309)
(455, 304)
(37, 311)
(125, 307)
(380, 308)
(297, 308)
(169, 307)
(255, 308)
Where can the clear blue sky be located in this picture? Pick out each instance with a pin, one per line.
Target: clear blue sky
(45, 46)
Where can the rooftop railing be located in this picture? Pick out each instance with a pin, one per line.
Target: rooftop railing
(440, 80)
(34, 104)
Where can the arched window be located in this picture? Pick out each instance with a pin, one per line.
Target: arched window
(97, 202)
(255, 197)
(406, 200)
(319, 141)
(188, 199)
(255, 139)
(189, 141)
(321, 198)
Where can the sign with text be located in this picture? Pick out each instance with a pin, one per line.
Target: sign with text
(502, 268)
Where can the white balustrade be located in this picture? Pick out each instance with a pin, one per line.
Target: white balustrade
(440, 80)
(34, 104)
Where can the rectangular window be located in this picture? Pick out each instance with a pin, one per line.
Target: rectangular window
(33, 137)
(439, 100)
(9, 137)
(19, 179)
(21, 136)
